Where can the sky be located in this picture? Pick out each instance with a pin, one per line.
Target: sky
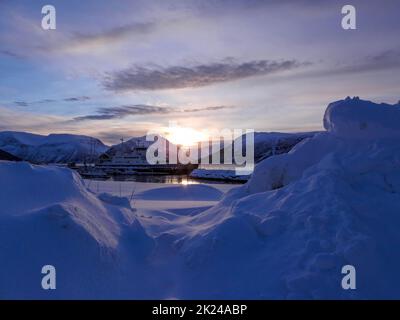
(115, 69)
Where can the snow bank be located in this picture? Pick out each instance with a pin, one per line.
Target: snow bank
(44, 188)
(355, 118)
(329, 202)
(47, 216)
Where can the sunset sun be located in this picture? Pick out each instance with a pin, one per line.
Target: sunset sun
(185, 136)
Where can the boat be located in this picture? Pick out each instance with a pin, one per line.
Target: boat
(132, 161)
(92, 172)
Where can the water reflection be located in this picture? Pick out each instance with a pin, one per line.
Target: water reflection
(170, 179)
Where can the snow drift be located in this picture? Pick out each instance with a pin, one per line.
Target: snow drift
(331, 201)
(355, 118)
(47, 216)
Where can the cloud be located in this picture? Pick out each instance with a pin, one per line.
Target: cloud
(11, 54)
(115, 34)
(78, 43)
(120, 112)
(21, 103)
(215, 108)
(17, 120)
(384, 60)
(123, 111)
(45, 101)
(146, 78)
(77, 99)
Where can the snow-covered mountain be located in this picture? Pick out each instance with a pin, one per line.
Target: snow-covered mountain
(129, 144)
(267, 144)
(54, 148)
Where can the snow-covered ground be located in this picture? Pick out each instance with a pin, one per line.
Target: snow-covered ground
(145, 195)
(92, 235)
(333, 200)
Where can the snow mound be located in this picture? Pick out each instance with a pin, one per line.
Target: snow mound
(355, 118)
(190, 192)
(46, 189)
(47, 216)
(331, 201)
(49, 188)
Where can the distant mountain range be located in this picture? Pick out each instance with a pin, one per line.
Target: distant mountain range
(54, 148)
(137, 142)
(64, 148)
(267, 144)
(129, 144)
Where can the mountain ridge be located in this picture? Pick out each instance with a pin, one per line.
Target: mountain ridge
(53, 148)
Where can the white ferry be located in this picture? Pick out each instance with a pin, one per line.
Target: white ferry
(131, 161)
